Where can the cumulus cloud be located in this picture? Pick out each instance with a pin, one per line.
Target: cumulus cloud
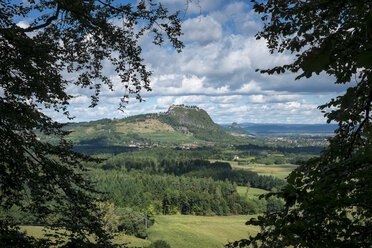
(190, 99)
(250, 87)
(23, 24)
(191, 7)
(185, 85)
(165, 101)
(216, 71)
(260, 98)
(201, 29)
(226, 99)
(289, 112)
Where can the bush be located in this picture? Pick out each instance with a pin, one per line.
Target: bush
(159, 244)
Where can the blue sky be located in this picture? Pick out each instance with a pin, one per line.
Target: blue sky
(216, 71)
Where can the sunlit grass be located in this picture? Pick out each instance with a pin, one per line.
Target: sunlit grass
(276, 170)
(167, 137)
(199, 231)
(252, 192)
(131, 241)
(141, 127)
(184, 231)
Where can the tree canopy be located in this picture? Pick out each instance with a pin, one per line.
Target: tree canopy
(65, 43)
(328, 199)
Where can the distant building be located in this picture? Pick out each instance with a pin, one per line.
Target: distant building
(189, 145)
(236, 157)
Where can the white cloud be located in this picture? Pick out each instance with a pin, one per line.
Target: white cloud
(260, 98)
(165, 101)
(185, 85)
(190, 99)
(216, 71)
(191, 7)
(251, 87)
(256, 99)
(23, 24)
(201, 29)
(80, 99)
(226, 99)
(290, 112)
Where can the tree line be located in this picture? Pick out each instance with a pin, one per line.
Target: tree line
(170, 194)
(195, 168)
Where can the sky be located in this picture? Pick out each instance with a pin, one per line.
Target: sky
(216, 72)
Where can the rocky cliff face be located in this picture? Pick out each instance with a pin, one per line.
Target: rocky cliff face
(195, 121)
(191, 116)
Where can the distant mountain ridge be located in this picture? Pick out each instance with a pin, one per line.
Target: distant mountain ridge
(236, 130)
(179, 125)
(287, 129)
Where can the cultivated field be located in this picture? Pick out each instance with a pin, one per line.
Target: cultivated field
(275, 170)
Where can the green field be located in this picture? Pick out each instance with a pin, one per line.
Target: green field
(276, 170)
(252, 192)
(167, 137)
(185, 231)
(39, 232)
(199, 231)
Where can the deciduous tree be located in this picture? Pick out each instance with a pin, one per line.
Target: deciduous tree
(328, 199)
(64, 44)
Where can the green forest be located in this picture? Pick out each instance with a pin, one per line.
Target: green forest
(163, 181)
(108, 134)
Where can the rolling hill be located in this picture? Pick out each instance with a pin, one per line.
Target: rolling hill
(236, 130)
(288, 129)
(180, 125)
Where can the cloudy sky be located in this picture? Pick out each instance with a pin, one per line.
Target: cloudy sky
(216, 71)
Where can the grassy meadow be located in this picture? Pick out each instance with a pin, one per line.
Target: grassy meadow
(184, 231)
(200, 231)
(275, 170)
(252, 192)
(39, 232)
(166, 137)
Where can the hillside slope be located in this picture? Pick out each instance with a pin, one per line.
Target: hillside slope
(236, 130)
(179, 125)
(289, 129)
(194, 121)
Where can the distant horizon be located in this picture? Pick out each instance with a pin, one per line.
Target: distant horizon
(219, 123)
(273, 123)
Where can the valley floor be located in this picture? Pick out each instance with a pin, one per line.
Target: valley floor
(186, 231)
(200, 231)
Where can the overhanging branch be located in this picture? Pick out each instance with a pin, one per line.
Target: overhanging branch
(45, 24)
(366, 119)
